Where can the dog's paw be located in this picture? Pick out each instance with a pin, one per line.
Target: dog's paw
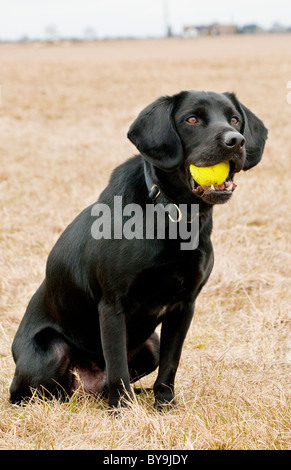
(165, 403)
(118, 401)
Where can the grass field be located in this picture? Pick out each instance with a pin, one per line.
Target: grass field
(64, 117)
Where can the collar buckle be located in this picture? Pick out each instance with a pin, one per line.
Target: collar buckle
(154, 192)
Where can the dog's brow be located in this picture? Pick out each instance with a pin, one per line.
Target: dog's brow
(201, 109)
(232, 110)
(196, 109)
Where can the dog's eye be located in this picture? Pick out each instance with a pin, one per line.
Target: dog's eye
(192, 120)
(234, 120)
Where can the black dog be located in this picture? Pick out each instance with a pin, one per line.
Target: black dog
(93, 319)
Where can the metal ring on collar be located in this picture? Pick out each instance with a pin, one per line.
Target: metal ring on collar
(179, 215)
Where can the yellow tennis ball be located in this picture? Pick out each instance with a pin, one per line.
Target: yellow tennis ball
(208, 175)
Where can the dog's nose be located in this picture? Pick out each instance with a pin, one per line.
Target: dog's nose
(234, 141)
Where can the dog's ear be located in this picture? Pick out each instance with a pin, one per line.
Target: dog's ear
(256, 135)
(155, 136)
(254, 132)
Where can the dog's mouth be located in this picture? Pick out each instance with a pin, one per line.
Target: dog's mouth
(215, 194)
(227, 186)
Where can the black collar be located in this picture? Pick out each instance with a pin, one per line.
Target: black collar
(157, 197)
(155, 193)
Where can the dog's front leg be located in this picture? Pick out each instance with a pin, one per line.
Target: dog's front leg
(113, 338)
(174, 329)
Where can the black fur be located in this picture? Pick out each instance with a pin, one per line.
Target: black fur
(93, 319)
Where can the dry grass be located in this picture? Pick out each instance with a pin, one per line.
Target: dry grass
(64, 117)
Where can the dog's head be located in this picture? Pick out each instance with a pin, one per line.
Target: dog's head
(200, 128)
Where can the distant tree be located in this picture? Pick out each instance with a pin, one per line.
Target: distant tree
(89, 34)
(24, 38)
(278, 28)
(248, 29)
(51, 33)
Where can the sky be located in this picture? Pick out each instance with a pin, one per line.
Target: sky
(130, 18)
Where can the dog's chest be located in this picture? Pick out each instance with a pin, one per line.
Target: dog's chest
(152, 297)
(165, 283)
(156, 290)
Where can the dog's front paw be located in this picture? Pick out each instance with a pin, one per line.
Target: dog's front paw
(165, 405)
(164, 401)
(164, 396)
(119, 400)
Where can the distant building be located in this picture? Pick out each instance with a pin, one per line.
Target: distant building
(214, 29)
(222, 29)
(190, 32)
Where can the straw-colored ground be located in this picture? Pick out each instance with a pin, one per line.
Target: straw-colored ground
(63, 121)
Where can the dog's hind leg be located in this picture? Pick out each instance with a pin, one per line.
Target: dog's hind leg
(146, 359)
(42, 363)
(41, 354)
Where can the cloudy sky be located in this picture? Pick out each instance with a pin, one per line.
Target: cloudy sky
(112, 18)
